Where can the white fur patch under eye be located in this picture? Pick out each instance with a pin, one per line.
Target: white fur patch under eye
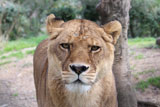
(78, 87)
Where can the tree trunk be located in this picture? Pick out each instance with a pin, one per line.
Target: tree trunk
(119, 10)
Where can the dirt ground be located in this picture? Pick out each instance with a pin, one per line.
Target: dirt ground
(17, 84)
(149, 64)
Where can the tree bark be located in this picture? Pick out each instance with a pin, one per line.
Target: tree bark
(119, 10)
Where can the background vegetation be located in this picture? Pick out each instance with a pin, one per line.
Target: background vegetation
(145, 18)
(24, 18)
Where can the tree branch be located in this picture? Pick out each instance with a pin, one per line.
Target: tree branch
(7, 33)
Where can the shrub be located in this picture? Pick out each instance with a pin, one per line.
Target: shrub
(16, 22)
(144, 18)
(9, 17)
(89, 10)
(64, 13)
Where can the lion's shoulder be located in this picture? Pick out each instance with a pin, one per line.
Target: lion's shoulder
(40, 63)
(40, 56)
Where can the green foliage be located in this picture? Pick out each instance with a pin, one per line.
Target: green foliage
(147, 71)
(142, 85)
(22, 43)
(21, 18)
(18, 55)
(3, 57)
(30, 52)
(154, 81)
(140, 56)
(144, 72)
(64, 13)
(66, 9)
(142, 42)
(10, 18)
(145, 18)
(70, 9)
(5, 62)
(89, 10)
(14, 49)
(15, 95)
(17, 45)
(132, 67)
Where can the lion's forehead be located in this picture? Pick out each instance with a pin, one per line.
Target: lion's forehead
(77, 30)
(79, 22)
(82, 39)
(78, 27)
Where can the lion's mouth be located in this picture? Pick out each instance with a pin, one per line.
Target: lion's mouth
(78, 81)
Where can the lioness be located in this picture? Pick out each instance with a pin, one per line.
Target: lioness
(73, 68)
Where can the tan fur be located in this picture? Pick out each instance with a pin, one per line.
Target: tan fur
(54, 80)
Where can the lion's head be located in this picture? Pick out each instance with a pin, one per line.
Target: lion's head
(80, 52)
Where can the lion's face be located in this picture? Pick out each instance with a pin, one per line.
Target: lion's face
(81, 52)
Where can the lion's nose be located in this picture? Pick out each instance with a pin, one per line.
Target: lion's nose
(79, 68)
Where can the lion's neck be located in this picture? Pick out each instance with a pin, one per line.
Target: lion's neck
(67, 98)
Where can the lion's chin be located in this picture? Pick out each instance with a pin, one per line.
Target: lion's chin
(78, 87)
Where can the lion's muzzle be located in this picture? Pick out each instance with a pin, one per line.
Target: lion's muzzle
(78, 69)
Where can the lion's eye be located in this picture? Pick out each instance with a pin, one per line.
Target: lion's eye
(95, 48)
(65, 45)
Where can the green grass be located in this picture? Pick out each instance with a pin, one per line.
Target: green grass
(17, 55)
(144, 72)
(140, 56)
(142, 42)
(21, 44)
(142, 85)
(132, 53)
(15, 95)
(30, 52)
(5, 62)
(147, 71)
(154, 81)
(132, 67)
(3, 57)
(18, 45)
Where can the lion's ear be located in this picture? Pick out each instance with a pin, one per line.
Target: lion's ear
(53, 25)
(114, 29)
